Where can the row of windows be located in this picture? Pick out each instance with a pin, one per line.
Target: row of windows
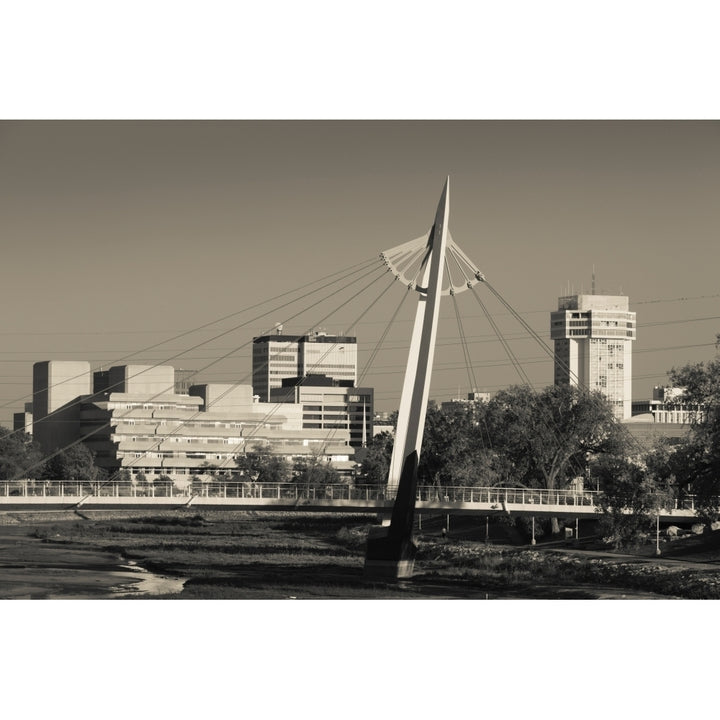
(188, 425)
(149, 406)
(184, 439)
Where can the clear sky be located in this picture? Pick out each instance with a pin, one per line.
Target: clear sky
(118, 235)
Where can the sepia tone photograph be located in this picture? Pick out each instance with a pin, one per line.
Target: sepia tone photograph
(313, 309)
(359, 359)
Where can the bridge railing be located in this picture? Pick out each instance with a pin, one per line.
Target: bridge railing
(500, 495)
(299, 492)
(214, 489)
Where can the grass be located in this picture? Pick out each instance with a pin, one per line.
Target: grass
(279, 555)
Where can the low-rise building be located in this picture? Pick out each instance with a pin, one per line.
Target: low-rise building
(472, 397)
(668, 406)
(135, 420)
(330, 405)
(24, 420)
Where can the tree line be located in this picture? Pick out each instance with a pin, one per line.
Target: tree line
(563, 437)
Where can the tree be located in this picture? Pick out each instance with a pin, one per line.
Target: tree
(630, 498)
(75, 463)
(549, 437)
(162, 485)
(314, 471)
(210, 469)
(451, 448)
(696, 461)
(197, 484)
(20, 456)
(375, 465)
(262, 465)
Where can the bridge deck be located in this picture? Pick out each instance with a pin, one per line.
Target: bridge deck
(65, 495)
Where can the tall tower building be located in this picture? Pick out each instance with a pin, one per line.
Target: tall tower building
(593, 337)
(279, 357)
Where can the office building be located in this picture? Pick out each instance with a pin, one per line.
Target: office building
(134, 420)
(278, 357)
(330, 405)
(667, 406)
(593, 337)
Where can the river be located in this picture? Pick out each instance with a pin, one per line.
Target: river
(33, 569)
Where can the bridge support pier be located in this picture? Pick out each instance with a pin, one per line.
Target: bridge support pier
(390, 551)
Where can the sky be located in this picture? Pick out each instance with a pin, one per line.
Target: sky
(119, 235)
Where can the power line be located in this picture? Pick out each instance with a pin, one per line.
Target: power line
(364, 265)
(106, 425)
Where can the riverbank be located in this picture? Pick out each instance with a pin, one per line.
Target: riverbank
(235, 555)
(38, 561)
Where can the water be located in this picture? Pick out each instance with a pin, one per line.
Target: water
(32, 569)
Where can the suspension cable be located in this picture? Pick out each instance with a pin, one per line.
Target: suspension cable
(215, 361)
(357, 267)
(508, 350)
(227, 332)
(384, 334)
(463, 342)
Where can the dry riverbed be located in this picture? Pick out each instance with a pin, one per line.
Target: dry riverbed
(236, 555)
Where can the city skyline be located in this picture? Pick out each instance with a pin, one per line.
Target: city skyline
(122, 234)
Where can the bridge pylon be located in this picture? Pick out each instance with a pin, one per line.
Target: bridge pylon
(390, 549)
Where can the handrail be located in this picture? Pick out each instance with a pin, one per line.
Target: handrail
(298, 491)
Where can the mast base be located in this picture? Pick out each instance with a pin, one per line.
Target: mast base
(388, 556)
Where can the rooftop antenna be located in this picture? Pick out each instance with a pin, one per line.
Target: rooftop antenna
(593, 281)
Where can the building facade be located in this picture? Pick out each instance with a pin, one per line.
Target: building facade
(668, 406)
(593, 337)
(471, 399)
(23, 421)
(279, 357)
(134, 420)
(330, 406)
(56, 386)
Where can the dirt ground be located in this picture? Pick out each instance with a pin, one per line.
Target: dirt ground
(265, 556)
(33, 569)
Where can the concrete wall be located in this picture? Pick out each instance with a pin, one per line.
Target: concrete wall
(146, 380)
(224, 397)
(56, 386)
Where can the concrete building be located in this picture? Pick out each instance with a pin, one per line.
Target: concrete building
(24, 420)
(56, 387)
(473, 397)
(667, 406)
(647, 432)
(593, 337)
(330, 405)
(278, 357)
(135, 420)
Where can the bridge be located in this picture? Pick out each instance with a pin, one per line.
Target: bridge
(39, 495)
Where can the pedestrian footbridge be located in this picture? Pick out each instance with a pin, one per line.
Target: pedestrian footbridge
(36, 495)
